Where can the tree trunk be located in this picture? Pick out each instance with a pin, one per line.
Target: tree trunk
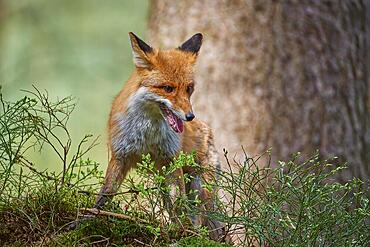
(291, 75)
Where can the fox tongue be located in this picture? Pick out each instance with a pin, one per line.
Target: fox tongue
(176, 123)
(180, 125)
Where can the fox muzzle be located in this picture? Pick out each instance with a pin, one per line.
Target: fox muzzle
(189, 116)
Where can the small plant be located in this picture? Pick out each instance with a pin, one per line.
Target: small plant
(150, 182)
(293, 203)
(35, 204)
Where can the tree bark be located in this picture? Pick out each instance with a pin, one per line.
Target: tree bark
(291, 75)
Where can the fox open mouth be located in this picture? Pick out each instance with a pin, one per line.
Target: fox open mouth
(174, 121)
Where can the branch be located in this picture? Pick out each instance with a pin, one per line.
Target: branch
(96, 211)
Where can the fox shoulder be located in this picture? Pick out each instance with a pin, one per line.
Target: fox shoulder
(197, 137)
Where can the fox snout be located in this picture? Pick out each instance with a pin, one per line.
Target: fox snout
(189, 116)
(185, 108)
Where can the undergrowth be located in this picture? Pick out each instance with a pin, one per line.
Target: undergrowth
(292, 204)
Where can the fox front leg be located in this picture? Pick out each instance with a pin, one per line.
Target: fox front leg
(116, 172)
(194, 189)
(176, 186)
(207, 204)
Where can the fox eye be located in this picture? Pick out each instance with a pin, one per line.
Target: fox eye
(168, 89)
(190, 89)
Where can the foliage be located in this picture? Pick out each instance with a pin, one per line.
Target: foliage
(36, 203)
(294, 203)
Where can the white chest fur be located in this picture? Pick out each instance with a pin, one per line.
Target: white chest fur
(142, 128)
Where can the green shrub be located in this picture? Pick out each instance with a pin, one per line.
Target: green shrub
(35, 205)
(294, 204)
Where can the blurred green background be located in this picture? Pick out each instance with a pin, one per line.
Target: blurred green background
(77, 48)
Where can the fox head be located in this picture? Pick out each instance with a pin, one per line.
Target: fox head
(165, 78)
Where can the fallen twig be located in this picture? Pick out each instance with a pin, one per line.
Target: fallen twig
(109, 194)
(142, 243)
(96, 211)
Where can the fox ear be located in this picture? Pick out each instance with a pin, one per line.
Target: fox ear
(193, 44)
(140, 51)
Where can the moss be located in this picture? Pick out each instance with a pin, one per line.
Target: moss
(199, 242)
(38, 214)
(103, 231)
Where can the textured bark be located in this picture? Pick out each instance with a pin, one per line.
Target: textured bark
(291, 75)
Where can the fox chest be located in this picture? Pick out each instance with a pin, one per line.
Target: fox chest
(139, 134)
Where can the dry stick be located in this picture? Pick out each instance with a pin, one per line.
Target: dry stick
(96, 211)
(109, 194)
(142, 243)
(30, 165)
(193, 233)
(105, 239)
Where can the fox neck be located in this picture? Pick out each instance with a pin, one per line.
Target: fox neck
(142, 129)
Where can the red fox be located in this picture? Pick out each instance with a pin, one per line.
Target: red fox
(153, 114)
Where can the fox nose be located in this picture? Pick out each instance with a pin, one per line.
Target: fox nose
(189, 116)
